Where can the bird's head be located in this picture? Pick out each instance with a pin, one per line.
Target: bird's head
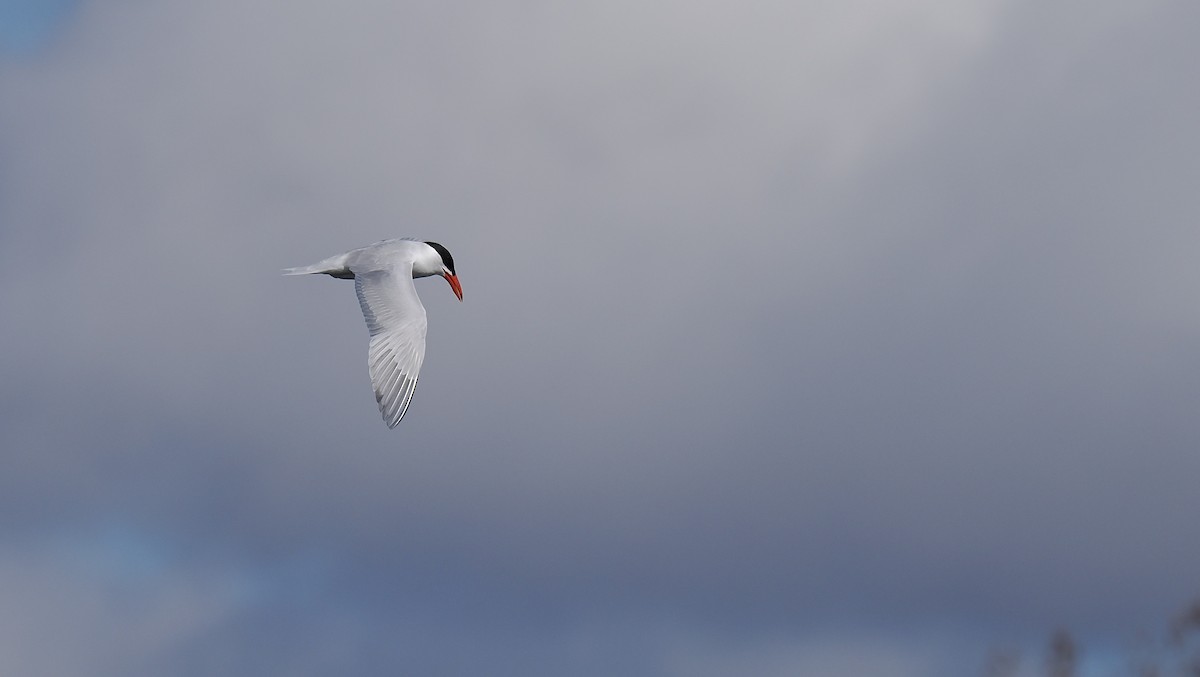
(448, 268)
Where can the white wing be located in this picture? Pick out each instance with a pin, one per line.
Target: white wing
(397, 323)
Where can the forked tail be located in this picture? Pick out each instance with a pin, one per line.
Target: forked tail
(334, 265)
(303, 270)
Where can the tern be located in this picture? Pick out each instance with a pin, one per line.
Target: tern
(383, 276)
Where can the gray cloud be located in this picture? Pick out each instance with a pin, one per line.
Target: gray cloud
(794, 335)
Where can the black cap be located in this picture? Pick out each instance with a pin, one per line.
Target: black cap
(447, 260)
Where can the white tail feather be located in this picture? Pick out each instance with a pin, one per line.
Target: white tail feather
(302, 270)
(334, 265)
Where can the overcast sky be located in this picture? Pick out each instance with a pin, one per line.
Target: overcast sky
(799, 338)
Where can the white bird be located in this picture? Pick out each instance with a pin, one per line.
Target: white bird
(383, 276)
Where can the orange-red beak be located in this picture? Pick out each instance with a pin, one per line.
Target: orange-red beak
(453, 280)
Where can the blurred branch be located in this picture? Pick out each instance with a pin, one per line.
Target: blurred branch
(1064, 655)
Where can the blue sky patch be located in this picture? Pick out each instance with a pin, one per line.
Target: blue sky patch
(26, 25)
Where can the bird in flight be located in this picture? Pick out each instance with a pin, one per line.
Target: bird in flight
(383, 276)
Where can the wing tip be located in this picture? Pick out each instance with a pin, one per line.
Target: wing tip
(398, 407)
